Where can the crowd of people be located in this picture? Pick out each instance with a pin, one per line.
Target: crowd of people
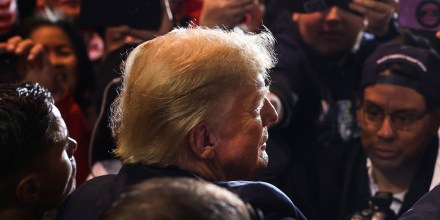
(217, 109)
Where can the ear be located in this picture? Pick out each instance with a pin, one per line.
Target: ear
(202, 141)
(28, 188)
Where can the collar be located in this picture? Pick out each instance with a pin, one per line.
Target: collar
(436, 176)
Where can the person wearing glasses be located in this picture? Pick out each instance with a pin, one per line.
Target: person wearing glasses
(398, 114)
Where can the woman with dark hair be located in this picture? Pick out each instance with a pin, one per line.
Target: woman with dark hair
(71, 60)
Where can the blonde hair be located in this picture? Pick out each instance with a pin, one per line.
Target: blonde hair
(178, 80)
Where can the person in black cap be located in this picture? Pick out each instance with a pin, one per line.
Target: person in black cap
(398, 115)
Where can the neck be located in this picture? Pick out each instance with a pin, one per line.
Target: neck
(394, 181)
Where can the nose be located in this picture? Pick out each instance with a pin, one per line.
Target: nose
(268, 114)
(386, 130)
(333, 14)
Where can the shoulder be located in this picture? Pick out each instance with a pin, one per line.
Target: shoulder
(426, 208)
(265, 196)
(91, 197)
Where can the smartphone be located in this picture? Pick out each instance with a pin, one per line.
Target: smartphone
(420, 14)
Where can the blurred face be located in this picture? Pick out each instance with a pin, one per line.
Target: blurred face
(397, 142)
(330, 31)
(71, 8)
(428, 14)
(61, 53)
(60, 170)
(243, 132)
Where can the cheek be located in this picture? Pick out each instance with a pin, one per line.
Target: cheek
(309, 31)
(71, 63)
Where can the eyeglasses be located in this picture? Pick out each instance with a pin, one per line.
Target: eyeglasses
(400, 120)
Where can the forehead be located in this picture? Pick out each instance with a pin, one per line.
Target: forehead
(50, 34)
(394, 97)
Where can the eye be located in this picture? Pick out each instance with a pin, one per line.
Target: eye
(64, 52)
(374, 113)
(405, 119)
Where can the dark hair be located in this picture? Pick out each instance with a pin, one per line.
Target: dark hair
(403, 71)
(86, 81)
(176, 198)
(26, 122)
(410, 62)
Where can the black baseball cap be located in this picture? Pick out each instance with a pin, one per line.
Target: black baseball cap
(425, 63)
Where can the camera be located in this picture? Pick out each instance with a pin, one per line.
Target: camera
(379, 208)
(420, 14)
(308, 6)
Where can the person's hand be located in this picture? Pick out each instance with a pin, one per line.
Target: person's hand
(437, 34)
(22, 48)
(254, 19)
(227, 13)
(32, 62)
(377, 14)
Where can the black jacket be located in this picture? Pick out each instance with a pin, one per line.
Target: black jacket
(95, 195)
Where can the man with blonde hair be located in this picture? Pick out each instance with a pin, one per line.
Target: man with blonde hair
(193, 104)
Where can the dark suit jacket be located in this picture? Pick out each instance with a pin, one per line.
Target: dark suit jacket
(94, 196)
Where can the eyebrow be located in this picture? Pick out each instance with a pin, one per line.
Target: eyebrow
(404, 110)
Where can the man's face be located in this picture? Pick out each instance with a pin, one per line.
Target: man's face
(330, 31)
(60, 169)
(242, 132)
(70, 8)
(389, 145)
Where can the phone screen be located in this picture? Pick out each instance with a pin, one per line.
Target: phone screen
(420, 14)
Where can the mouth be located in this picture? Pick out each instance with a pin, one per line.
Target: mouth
(264, 140)
(384, 153)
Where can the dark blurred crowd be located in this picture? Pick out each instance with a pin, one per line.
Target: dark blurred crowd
(355, 89)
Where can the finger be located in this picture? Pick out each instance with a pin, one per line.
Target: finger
(368, 13)
(369, 5)
(35, 52)
(12, 42)
(23, 47)
(2, 45)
